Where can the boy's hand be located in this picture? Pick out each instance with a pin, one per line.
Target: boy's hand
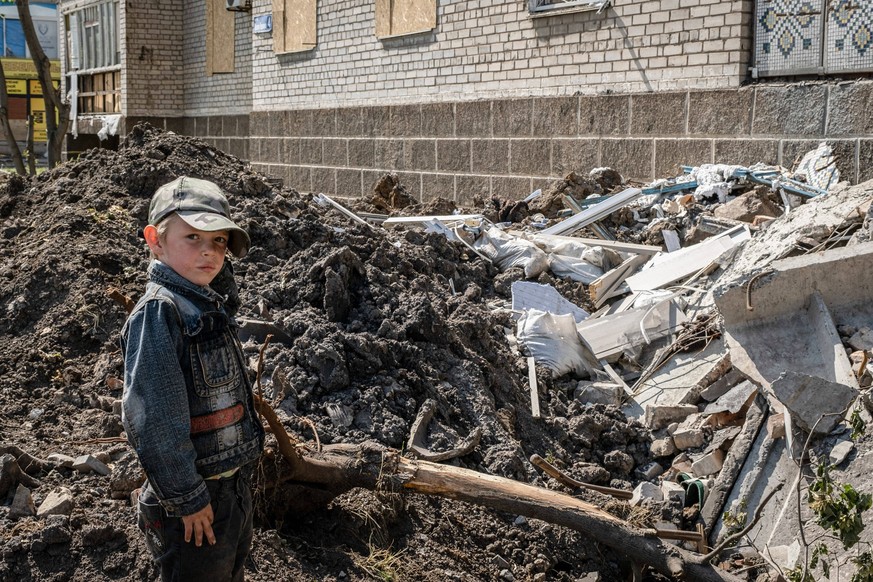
(200, 524)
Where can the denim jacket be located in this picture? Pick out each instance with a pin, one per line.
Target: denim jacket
(187, 407)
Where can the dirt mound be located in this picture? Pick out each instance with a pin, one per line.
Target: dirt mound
(376, 322)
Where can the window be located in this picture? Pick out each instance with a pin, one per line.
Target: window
(294, 25)
(220, 37)
(556, 5)
(813, 37)
(93, 59)
(397, 17)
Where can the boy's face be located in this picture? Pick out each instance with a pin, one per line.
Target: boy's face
(195, 254)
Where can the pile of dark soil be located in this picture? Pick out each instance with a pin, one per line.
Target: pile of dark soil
(377, 322)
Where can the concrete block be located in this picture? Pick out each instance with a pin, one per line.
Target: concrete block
(865, 160)
(599, 393)
(348, 183)
(324, 180)
(658, 114)
(290, 151)
(349, 121)
(490, 156)
(708, 464)
(435, 186)
(862, 339)
(734, 401)
(362, 153)
(646, 491)
(58, 502)
(468, 188)
(604, 115)
(473, 119)
(296, 123)
(663, 447)
(438, 120)
(554, 116)
(840, 451)
(789, 110)
(670, 154)
(323, 122)
(673, 492)
(849, 108)
(375, 121)
(776, 426)
(389, 154)
(529, 157)
(510, 188)
(809, 399)
(511, 117)
(22, 503)
(310, 151)
(335, 153)
(689, 438)
(651, 470)
(405, 120)
(721, 386)
(300, 178)
(633, 156)
(453, 155)
(88, 463)
(420, 154)
(569, 155)
(720, 113)
(746, 152)
(660, 416)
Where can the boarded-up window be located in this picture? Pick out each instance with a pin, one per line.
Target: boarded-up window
(294, 25)
(220, 39)
(396, 17)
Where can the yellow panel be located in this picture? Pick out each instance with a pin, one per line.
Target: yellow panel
(35, 88)
(278, 26)
(300, 24)
(210, 37)
(16, 87)
(223, 39)
(383, 18)
(410, 16)
(24, 69)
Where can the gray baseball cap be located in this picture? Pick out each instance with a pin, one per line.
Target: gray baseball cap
(202, 205)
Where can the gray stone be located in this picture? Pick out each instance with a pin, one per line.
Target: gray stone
(734, 400)
(746, 207)
(61, 460)
(688, 438)
(673, 492)
(708, 464)
(58, 502)
(809, 399)
(57, 530)
(619, 462)
(22, 503)
(651, 470)
(88, 463)
(646, 491)
(862, 339)
(660, 416)
(721, 386)
(598, 393)
(663, 447)
(840, 451)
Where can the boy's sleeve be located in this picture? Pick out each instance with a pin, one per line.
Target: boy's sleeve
(155, 408)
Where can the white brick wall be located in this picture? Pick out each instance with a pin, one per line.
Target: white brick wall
(493, 48)
(222, 93)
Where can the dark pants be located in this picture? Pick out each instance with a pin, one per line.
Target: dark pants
(184, 562)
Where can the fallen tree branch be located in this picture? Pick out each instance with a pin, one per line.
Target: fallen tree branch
(565, 479)
(340, 468)
(418, 437)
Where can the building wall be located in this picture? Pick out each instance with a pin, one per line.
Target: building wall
(508, 148)
(221, 93)
(152, 67)
(494, 48)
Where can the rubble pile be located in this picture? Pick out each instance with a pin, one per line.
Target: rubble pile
(368, 326)
(661, 351)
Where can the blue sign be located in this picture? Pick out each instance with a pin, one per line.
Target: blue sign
(263, 23)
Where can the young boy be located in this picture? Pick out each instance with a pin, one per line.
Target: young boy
(188, 407)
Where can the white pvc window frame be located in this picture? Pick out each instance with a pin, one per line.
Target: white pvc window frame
(545, 6)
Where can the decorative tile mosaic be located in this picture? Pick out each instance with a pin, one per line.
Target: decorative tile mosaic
(850, 36)
(790, 34)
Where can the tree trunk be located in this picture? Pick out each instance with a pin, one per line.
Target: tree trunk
(57, 111)
(339, 468)
(7, 128)
(31, 153)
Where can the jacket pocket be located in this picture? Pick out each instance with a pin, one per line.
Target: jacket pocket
(214, 365)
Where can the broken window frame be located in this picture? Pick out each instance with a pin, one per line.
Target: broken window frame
(93, 57)
(544, 7)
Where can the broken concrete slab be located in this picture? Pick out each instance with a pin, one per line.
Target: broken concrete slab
(734, 401)
(88, 463)
(721, 386)
(708, 464)
(691, 438)
(814, 403)
(660, 416)
(58, 502)
(599, 393)
(663, 447)
(646, 491)
(747, 206)
(840, 451)
(862, 339)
